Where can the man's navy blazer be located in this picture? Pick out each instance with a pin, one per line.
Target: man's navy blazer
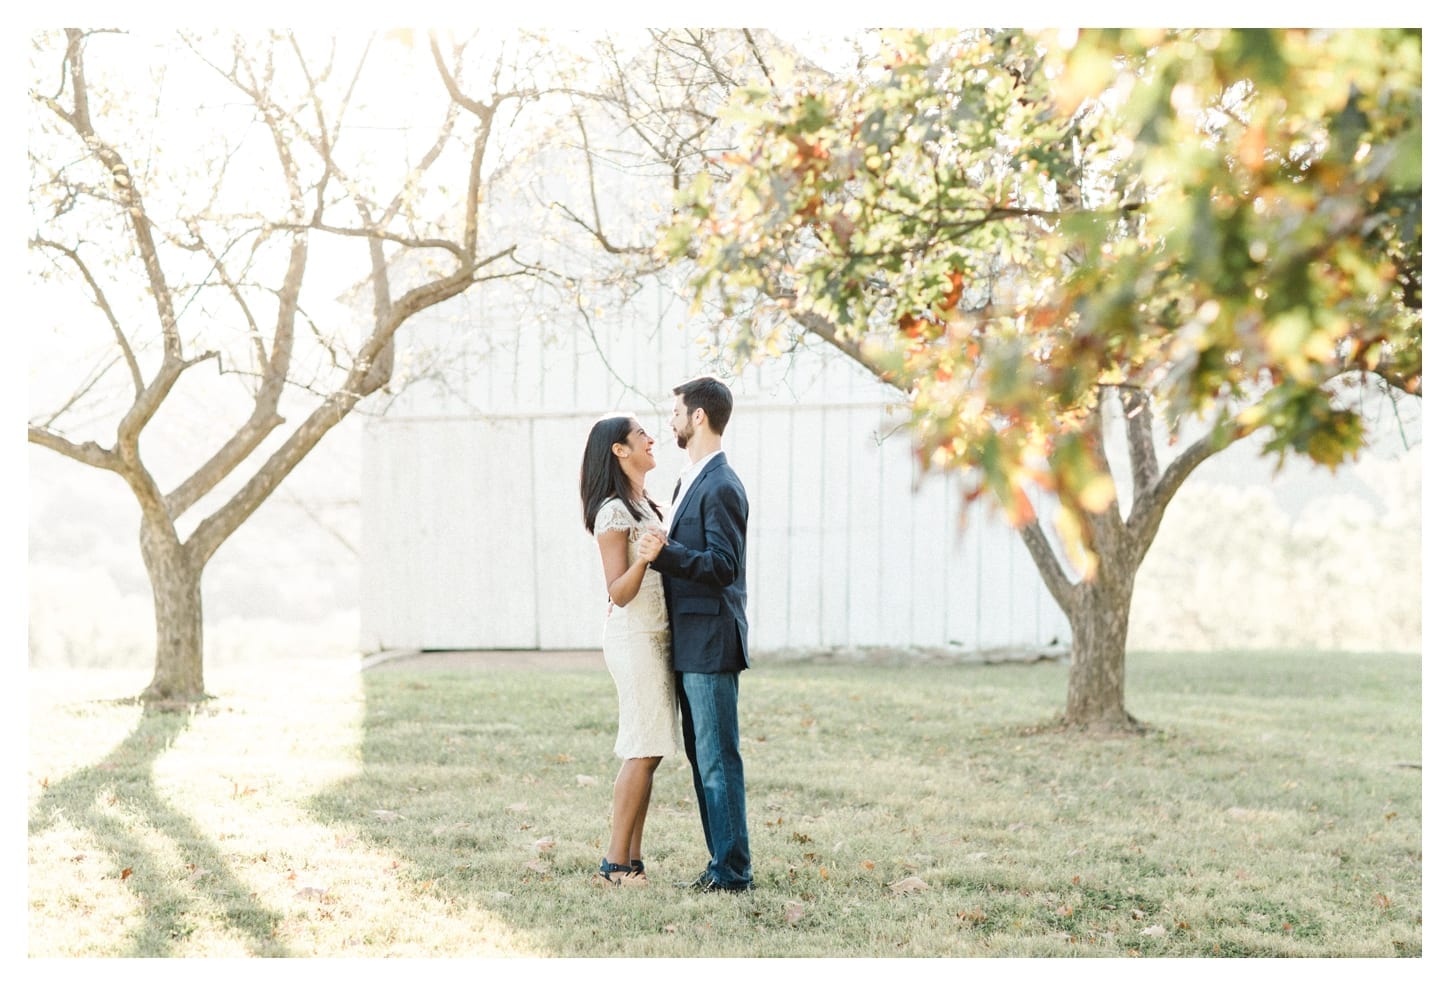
(704, 573)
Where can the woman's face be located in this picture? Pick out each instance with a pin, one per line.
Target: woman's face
(638, 447)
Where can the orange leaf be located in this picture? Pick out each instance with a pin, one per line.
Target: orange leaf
(954, 293)
(1251, 148)
(125, 873)
(1020, 512)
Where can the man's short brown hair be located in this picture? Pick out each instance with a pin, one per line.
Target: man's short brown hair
(710, 395)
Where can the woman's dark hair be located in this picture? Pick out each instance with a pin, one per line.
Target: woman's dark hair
(600, 475)
(712, 396)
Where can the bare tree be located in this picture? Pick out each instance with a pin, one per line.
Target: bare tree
(188, 206)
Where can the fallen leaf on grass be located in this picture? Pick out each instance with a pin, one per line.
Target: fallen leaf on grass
(975, 916)
(125, 873)
(1066, 911)
(793, 913)
(867, 865)
(544, 846)
(584, 780)
(1382, 902)
(196, 873)
(312, 893)
(908, 885)
(1155, 930)
(239, 791)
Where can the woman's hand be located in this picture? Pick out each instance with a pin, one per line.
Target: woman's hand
(649, 546)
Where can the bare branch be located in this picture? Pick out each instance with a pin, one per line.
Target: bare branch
(597, 229)
(1047, 564)
(1138, 416)
(1106, 528)
(104, 305)
(88, 453)
(1147, 512)
(95, 377)
(378, 233)
(759, 58)
(361, 381)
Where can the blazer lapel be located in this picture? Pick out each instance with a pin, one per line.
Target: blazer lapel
(693, 491)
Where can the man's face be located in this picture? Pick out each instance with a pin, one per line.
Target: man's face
(680, 423)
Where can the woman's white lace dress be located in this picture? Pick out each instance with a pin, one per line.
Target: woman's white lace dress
(637, 649)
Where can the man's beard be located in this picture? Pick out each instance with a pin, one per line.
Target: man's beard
(682, 438)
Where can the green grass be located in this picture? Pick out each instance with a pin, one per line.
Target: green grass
(1273, 810)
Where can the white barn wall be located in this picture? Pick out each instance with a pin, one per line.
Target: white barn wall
(472, 534)
(476, 541)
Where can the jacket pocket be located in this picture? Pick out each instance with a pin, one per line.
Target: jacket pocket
(697, 604)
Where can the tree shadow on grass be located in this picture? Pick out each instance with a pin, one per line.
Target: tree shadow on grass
(117, 804)
(464, 775)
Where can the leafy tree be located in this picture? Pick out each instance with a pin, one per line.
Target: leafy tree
(1033, 235)
(196, 192)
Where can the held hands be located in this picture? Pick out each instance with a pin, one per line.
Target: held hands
(650, 544)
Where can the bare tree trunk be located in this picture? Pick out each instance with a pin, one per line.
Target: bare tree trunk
(176, 591)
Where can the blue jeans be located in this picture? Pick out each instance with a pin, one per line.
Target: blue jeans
(712, 744)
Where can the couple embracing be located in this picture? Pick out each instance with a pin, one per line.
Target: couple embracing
(674, 636)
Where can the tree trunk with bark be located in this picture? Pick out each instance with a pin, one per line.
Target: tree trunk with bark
(176, 592)
(1096, 683)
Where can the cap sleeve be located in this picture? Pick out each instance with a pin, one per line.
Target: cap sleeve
(612, 516)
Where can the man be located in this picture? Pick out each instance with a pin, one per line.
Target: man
(703, 564)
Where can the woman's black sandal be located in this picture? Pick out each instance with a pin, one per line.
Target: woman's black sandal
(607, 871)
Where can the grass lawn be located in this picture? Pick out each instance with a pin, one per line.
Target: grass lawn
(309, 810)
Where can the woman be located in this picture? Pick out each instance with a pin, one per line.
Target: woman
(628, 527)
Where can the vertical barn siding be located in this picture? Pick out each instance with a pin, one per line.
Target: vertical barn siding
(472, 530)
(475, 537)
